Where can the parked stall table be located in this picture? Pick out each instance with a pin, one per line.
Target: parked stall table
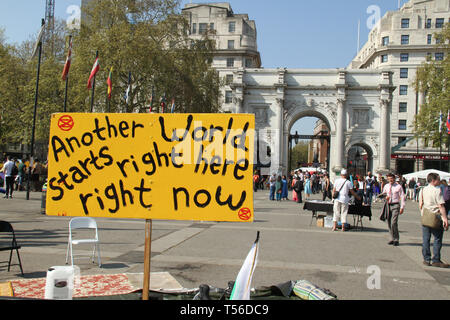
(358, 212)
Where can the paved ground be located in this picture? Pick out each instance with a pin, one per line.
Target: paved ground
(198, 253)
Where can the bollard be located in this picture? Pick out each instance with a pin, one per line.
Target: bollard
(44, 198)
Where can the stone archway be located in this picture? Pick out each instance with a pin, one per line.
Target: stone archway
(325, 111)
(359, 159)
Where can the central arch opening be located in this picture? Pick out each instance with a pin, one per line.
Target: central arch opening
(309, 144)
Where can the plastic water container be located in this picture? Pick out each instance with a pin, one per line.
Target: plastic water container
(328, 222)
(61, 282)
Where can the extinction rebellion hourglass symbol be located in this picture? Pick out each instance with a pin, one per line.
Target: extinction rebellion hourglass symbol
(66, 123)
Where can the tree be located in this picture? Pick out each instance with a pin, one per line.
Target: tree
(145, 37)
(432, 81)
(149, 39)
(299, 154)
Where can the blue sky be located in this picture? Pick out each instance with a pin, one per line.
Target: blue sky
(291, 33)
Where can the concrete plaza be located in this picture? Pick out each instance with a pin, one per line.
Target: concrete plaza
(196, 253)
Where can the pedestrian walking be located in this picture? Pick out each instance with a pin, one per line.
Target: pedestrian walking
(8, 169)
(308, 188)
(411, 188)
(255, 181)
(368, 192)
(272, 186)
(395, 198)
(284, 191)
(343, 187)
(326, 188)
(279, 188)
(432, 200)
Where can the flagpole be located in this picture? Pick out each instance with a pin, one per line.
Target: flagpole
(67, 82)
(33, 130)
(93, 88)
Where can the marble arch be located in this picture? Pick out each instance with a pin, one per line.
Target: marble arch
(356, 104)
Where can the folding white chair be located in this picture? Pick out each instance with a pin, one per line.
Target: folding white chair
(83, 223)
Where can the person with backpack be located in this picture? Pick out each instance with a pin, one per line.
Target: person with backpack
(298, 189)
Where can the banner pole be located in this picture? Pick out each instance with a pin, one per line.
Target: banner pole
(147, 258)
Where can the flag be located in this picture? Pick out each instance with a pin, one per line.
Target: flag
(94, 71)
(39, 39)
(441, 121)
(127, 93)
(242, 286)
(109, 82)
(68, 61)
(448, 123)
(173, 106)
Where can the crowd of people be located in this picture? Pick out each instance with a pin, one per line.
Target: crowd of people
(14, 175)
(393, 190)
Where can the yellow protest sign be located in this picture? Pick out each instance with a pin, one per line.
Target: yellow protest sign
(151, 166)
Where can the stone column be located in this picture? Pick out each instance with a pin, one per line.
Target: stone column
(340, 135)
(239, 102)
(384, 136)
(280, 133)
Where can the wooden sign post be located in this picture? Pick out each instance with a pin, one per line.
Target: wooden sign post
(185, 167)
(147, 259)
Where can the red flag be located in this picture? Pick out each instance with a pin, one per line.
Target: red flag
(94, 71)
(448, 123)
(109, 82)
(68, 61)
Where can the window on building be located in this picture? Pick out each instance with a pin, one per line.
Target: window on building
(403, 90)
(402, 125)
(248, 63)
(202, 28)
(194, 28)
(404, 73)
(402, 139)
(403, 107)
(405, 39)
(211, 26)
(385, 41)
(405, 23)
(439, 56)
(228, 96)
(439, 22)
(229, 79)
(384, 58)
(232, 27)
(230, 44)
(428, 24)
(230, 62)
(429, 37)
(404, 57)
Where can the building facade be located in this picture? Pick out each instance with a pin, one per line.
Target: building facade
(401, 42)
(235, 36)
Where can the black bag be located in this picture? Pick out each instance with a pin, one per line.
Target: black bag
(298, 187)
(15, 171)
(336, 193)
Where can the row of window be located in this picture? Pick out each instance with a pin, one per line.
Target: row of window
(248, 63)
(203, 27)
(405, 40)
(428, 24)
(404, 57)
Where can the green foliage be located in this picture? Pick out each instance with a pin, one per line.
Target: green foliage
(299, 154)
(432, 80)
(145, 37)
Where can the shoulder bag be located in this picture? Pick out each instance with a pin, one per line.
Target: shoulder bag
(429, 218)
(336, 193)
